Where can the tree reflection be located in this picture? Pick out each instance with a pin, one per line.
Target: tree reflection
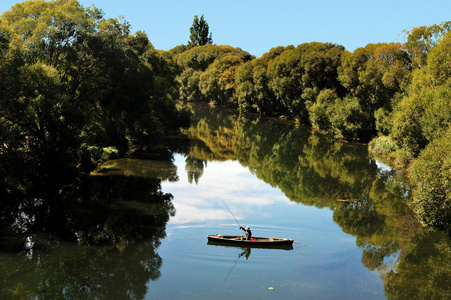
(68, 271)
(97, 238)
(194, 168)
(424, 271)
(315, 170)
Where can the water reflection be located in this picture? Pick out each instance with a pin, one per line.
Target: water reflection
(194, 168)
(100, 237)
(68, 271)
(247, 250)
(96, 239)
(201, 203)
(246, 253)
(368, 199)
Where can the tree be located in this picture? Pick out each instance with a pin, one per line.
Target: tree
(75, 85)
(200, 34)
(252, 80)
(297, 76)
(420, 40)
(439, 61)
(218, 66)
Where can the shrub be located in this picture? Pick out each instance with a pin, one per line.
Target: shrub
(320, 111)
(382, 145)
(431, 179)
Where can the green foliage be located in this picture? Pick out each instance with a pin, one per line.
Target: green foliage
(387, 150)
(431, 177)
(424, 115)
(73, 82)
(382, 145)
(189, 84)
(375, 75)
(284, 80)
(209, 73)
(253, 92)
(199, 33)
(320, 112)
(350, 120)
(218, 81)
(383, 121)
(439, 61)
(199, 58)
(403, 157)
(406, 125)
(425, 112)
(299, 74)
(420, 40)
(437, 115)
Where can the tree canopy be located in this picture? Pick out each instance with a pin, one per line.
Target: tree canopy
(75, 88)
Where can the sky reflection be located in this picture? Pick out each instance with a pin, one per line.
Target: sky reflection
(221, 181)
(323, 261)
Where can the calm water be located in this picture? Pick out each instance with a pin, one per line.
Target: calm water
(325, 262)
(121, 234)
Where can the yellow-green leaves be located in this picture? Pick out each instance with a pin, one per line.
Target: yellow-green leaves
(439, 60)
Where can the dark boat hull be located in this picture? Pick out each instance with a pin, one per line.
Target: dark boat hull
(262, 242)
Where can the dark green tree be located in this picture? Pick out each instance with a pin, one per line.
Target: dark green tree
(75, 87)
(200, 34)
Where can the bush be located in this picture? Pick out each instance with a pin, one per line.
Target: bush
(350, 120)
(383, 121)
(431, 179)
(320, 111)
(403, 157)
(383, 146)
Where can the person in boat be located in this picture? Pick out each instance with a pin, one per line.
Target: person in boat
(248, 232)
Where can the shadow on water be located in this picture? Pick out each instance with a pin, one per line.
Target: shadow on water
(96, 239)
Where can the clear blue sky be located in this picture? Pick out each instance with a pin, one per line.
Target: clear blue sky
(258, 25)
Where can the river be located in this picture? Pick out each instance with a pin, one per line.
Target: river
(136, 238)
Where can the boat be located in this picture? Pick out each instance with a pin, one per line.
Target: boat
(239, 240)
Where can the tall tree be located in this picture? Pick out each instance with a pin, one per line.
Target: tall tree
(200, 34)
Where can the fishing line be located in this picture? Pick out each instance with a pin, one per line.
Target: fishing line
(300, 243)
(230, 271)
(231, 213)
(191, 237)
(194, 238)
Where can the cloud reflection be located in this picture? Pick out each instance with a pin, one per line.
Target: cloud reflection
(221, 181)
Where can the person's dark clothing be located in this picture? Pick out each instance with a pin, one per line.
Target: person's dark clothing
(248, 233)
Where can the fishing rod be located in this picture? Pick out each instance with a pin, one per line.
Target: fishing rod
(231, 213)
